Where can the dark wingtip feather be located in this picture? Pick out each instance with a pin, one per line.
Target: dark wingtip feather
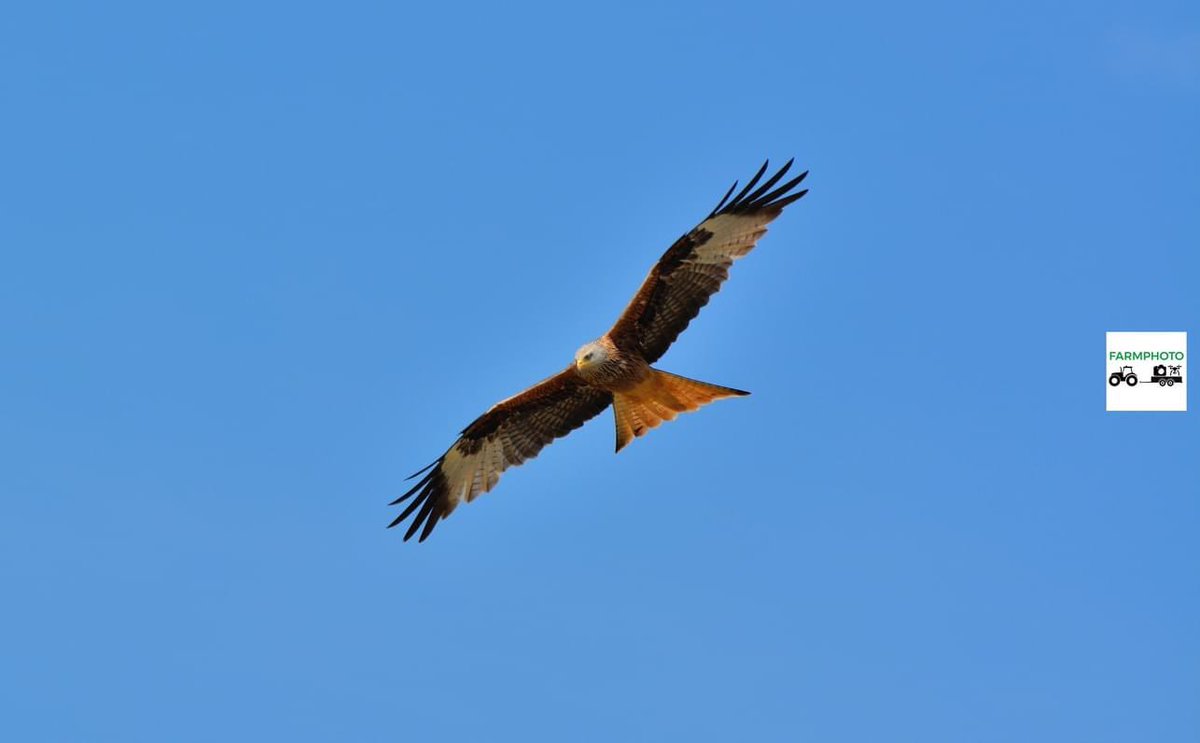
(738, 199)
(751, 199)
(423, 469)
(420, 519)
(766, 200)
(429, 524)
(789, 199)
(724, 198)
(416, 503)
(428, 503)
(770, 182)
(429, 474)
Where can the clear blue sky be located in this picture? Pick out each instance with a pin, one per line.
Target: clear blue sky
(261, 262)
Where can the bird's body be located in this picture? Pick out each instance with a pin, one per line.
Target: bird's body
(614, 369)
(603, 364)
(643, 397)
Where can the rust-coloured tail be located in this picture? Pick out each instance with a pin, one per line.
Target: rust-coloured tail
(661, 397)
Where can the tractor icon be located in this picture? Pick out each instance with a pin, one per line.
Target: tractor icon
(1164, 379)
(1124, 374)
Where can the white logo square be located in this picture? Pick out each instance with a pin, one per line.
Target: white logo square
(1146, 371)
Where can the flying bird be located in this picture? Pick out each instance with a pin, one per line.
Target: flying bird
(615, 368)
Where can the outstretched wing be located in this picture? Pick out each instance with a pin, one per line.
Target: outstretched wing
(514, 430)
(693, 268)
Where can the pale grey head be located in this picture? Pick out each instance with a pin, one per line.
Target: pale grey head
(590, 355)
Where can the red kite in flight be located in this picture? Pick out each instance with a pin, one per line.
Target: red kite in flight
(613, 369)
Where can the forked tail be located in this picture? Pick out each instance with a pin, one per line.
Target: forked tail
(661, 397)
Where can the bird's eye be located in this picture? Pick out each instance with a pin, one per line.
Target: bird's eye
(587, 357)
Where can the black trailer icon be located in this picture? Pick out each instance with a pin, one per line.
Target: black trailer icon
(1164, 379)
(1124, 374)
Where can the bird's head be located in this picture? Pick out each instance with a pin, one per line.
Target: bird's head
(590, 355)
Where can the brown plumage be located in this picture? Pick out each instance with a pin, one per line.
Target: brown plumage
(612, 370)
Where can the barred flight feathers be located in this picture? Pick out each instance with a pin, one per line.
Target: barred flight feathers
(508, 434)
(693, 269)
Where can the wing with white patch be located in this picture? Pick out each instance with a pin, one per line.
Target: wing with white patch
(693, 269)
(513, 431)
